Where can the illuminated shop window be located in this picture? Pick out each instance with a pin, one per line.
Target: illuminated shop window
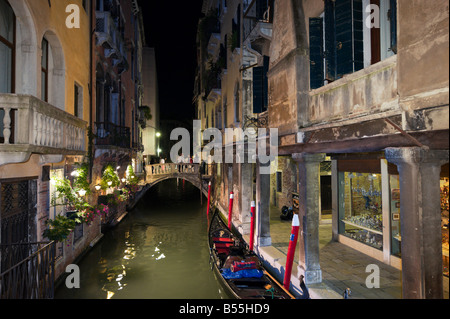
(360, 211)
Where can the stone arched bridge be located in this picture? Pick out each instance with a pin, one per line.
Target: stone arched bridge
(161, 172)
(192, 173)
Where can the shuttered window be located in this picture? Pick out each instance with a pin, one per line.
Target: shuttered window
(393, 19)
(316, 52)
(261, 87)
(343, 38)
(337, 41)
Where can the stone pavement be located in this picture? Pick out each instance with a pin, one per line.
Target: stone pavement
(342, 267)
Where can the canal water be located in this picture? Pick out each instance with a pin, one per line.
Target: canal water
(159, 251)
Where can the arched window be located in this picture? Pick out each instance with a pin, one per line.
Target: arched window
(7, 47)
(44, 71)
(52, 71)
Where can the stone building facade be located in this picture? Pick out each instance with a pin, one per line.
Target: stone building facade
(118, 116)
(44, 115)
(357, 92)
(71, 93)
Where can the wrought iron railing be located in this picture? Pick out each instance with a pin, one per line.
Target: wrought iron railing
(109, 134)
(27, 271)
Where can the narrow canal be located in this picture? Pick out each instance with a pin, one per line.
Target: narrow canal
(159, 251)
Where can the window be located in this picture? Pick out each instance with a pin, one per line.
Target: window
(264, 10)
(7, 47)
(44, 70)
(78, 233)
(78, 101)
(360, 210)
(340, 42)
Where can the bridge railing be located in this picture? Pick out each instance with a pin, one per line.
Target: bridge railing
(172, 169)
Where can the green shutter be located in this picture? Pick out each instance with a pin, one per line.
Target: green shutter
(358, 38)
(344, 37)
(258, 89)
(330, 41)
(261, 87)
(265, 84)
(344, 24)
(316, 52)
(393, 18)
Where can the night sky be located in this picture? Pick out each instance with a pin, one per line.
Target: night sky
(171, 28)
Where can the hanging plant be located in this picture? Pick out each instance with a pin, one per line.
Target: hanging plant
(59, 229)
(109, 178)
(80, 211)
(81, 182)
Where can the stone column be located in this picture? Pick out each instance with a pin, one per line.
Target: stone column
(420, 218)
(309, 189)
(262, 228)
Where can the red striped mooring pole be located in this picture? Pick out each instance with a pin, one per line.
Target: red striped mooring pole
(230, 210)
(252, 224)
(291, 251)
(209, 198)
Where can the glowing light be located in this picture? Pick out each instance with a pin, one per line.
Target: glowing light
(75, 174)
(82, 192)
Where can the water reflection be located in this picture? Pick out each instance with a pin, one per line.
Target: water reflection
(159, 251)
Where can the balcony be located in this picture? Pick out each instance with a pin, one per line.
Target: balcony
(258, 19)
(109, 36)
(29, 125)
(364, 93)
(109, 134)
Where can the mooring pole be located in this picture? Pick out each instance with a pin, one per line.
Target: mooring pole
(209, 199)
(230, 210)
(252, 225)
(291, 251)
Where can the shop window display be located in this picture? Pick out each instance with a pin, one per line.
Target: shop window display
(360, 208)
(444, 222)
(396, 239)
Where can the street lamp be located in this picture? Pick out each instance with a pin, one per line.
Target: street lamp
(158, 135)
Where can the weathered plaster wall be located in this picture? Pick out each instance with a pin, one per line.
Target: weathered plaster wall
(423, 51)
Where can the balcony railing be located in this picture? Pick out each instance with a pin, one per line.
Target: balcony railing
(109, 134)
(27, 271)
(28, 124)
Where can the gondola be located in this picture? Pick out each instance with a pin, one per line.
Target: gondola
(240, 271)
